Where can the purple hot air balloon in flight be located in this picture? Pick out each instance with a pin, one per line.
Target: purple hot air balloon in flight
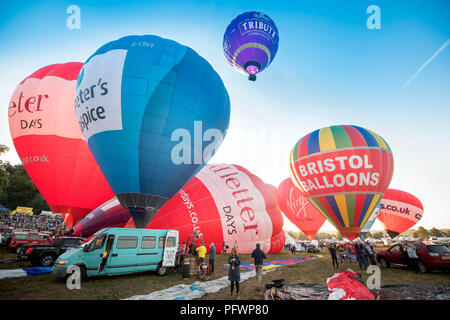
(250, 43)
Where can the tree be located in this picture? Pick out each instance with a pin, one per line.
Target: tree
(423, 233)
(436, 233)
(377, 235)
(3, 176)
(21, 191)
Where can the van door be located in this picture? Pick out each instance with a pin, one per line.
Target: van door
(123, 255)
(149, 255)
(94, 254)
(170, 249)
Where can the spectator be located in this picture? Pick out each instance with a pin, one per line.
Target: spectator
(181, 253)
(413, 258)
(201, 252)
(258, 255)
(360, 255)
(332, 250)
(212, 256)
(370, 253)
(224, 248)
(234, 273)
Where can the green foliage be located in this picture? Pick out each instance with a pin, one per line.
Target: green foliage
(16, 187)
(423, 233)
(436, 233)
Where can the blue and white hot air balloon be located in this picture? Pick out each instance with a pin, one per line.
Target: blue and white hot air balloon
(153, 111)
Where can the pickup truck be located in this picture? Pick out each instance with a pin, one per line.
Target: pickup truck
(46, 255)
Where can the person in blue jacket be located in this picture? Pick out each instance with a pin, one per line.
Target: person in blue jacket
(234, 273)
(258, 255)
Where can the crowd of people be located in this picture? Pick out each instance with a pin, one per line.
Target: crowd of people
(42, 223)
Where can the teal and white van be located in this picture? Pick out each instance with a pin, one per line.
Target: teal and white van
(115, 251)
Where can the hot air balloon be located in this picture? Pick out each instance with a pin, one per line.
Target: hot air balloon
(109, 215)
(50, 144)
(153, 112)
(365, 229)
(225, 203)
(298, 209)
(343, 171)
(400, 211)
(250, 43)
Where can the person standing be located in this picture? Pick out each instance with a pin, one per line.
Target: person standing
(258, 256)
(413, 258)
(360, 255)
(234, 273)
(182, 253)
(333, 250)
(370, 253)
(224, 248)
(201, 252)
(212, 256)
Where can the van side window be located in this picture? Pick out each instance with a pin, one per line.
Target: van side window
(127, 243)
(171, 242)
(148, 242)
(34, 237)
(21, 237)
(162, 242)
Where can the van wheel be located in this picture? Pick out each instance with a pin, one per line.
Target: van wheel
(83, 275)
(161, 271)
(20, 250)
(47, 260)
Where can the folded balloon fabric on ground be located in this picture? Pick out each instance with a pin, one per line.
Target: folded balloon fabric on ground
(276, 263)
(16, 273)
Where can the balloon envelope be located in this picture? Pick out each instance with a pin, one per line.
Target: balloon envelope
(343, 171)
(250, 42)
(225, 203)
(50, 144)
(400, 211)
(298, 209)
(371, 220)
(150, 109)
(108, 215)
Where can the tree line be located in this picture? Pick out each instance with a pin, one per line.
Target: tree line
(16, 187)
(421, 232)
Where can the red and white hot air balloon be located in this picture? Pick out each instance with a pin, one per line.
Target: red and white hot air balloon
(298, 209)
(48, 140)
(399, 211)
(225, 203)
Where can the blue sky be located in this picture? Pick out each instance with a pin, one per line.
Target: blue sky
(329, 69)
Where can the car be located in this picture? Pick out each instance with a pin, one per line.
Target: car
(46, 254)
(22, 239)
(431, 257)
(114, 251)
(312, 248)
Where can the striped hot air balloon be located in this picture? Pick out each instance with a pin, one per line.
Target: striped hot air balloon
(343, 171)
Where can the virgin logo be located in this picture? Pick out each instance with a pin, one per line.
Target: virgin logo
(243, 200)
(297, 206)
(31, 104)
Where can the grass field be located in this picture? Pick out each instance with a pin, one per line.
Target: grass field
(120, 287)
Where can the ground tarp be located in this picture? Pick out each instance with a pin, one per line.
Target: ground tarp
(192, 291)
(16, 273)
(388, 292)
(276, 263)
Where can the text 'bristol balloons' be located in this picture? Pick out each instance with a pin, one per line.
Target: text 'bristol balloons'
(298, 209)
(50, 144)
(250, 43)
(343, 171)
(225, 202)
(400, 211)
(153, 112)
(109, 215)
